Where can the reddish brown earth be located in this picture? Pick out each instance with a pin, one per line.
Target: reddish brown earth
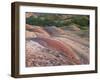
(52, 46)
(39, 31)
(59, 46)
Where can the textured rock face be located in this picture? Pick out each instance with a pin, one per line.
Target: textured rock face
(29, 34)
(43, 48)
(39, 31)
(59, 46)
(53, 30)
(37, 55)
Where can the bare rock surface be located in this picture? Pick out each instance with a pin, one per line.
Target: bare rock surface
(52, 46)
(37, 55)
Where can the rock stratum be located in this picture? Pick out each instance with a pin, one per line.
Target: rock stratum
(53, 46)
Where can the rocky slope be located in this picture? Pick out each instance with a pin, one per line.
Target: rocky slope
(53, 46)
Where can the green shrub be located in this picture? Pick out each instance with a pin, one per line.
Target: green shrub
(81, 20)
(59, 20)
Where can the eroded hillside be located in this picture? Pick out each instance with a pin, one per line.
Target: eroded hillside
(53, 46)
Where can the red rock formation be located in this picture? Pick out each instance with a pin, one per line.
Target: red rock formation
(38, 30)
(59, 46)
(37, 55)
(41, 31)
(29, 34)
(29, 27)
(69, 45)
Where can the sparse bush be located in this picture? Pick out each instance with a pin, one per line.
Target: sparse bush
(59, 20)
(83, 21)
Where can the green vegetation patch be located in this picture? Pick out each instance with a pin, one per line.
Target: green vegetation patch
(59, 20)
